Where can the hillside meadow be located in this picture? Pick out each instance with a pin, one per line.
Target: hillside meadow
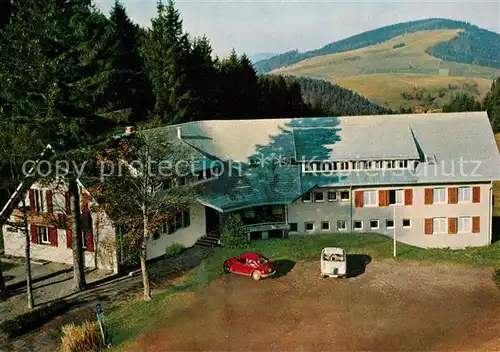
(383, 72)
(386, 89)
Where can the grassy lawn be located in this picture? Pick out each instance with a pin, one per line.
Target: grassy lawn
(134, 318)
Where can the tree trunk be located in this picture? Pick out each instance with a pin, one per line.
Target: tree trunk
(29, 287)
(79, 283)
(3, 287)
(144, 256)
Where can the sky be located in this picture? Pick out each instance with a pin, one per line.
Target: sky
(277, 26)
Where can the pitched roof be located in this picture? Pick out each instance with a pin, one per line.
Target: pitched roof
(462, 144)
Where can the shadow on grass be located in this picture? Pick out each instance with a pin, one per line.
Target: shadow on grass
(283, 267)
(356, 264)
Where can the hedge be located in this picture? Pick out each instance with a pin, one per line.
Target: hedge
(31, 320)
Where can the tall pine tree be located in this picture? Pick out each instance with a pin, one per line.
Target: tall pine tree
(166, 54)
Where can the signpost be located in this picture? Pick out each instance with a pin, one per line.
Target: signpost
(100, 318)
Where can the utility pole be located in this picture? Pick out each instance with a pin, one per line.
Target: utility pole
(394, 229)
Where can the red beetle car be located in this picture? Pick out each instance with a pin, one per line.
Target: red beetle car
(251, 264)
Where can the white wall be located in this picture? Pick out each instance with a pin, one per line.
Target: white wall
(300, 212)
(103, 230)
(186, 236)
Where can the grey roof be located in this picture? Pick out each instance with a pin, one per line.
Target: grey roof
(460, 141)
(254, 187)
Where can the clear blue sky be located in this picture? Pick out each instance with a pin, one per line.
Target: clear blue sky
(278, 26)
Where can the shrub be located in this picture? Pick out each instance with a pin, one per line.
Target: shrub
(233, 234)
(496, 278)
(400, 45)
(81, 338)
(174, 250)
(28, 321)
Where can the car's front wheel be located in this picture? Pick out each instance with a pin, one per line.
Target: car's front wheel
(256, 275)
(227, 270)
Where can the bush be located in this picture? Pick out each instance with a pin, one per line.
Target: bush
(496, 278)
(81, 338)
(28, 321)
(400, 45)
(233, 234)
(174, 250)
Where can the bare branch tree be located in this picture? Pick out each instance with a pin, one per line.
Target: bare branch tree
(150, 183)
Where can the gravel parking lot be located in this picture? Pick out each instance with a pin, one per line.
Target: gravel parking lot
(388, 306)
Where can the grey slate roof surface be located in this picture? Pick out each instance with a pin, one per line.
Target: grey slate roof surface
(462, 141)
(256, 187)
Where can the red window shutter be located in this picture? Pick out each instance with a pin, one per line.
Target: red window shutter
(32, 199)
(358, 199)
(67, 197)
(409, 196)
(89, 241)
(428, 227)
(452, 195)
(53, 236)
(48, 195)
(476, 194)
(476, 224)
(452, 225)
(382, 198)
(33, 234)
(85, 204)
(69, 238)
(428, 196)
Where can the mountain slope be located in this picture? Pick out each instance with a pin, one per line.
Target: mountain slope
(484, 44)
(394, 73)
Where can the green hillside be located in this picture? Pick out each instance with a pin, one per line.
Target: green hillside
(399, 72)
(473, 45)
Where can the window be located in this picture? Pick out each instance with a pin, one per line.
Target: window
(167, 184)
(241, 260)
(293, 227)
(319, 197)
(464, 225)
(403, 164)
(439, 195)
(344, 196)
(344, 165)
(358, 225)
(277, 210)
(406, 223)
(178, 220)
(307, 198)
(326, 166)
(341, 225)
(439, 225)
(40, 204)
(250, 213)
(171, 225)
(464, 194)
(370, 198)
(186, 215)
(309, 226)
(396, 196)
(325, 225)
(332, 196)
(374, 224)
(389, 223)
(43, 235)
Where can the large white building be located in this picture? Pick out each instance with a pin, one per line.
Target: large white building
(426, 176)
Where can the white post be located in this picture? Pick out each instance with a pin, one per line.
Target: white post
(394, 234)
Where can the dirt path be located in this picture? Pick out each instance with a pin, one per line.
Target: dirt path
(394, 306)
(112, 293)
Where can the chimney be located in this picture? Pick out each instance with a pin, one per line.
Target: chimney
(179, 133)
(129, 129)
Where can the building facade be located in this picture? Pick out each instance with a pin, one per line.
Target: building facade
(424, 178)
